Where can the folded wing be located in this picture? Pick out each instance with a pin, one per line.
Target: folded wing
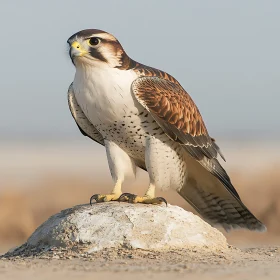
(81, 120)
(208, 187)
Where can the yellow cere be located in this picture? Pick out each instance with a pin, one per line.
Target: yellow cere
(76, 45)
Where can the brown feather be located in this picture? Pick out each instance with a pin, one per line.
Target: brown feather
(176, 113)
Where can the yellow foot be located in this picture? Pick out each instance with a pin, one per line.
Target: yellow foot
(132, 198)
(104, 197)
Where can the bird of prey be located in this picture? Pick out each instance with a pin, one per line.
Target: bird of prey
(145, 119)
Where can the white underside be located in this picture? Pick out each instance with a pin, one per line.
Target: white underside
(106, 99)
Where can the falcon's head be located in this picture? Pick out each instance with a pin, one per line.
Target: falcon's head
(97, 48)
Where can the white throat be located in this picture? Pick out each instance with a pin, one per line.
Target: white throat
(104, 93)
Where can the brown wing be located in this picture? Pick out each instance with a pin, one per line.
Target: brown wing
(174, 110)
(177, 114)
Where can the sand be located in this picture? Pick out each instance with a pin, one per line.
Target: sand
(253, 263)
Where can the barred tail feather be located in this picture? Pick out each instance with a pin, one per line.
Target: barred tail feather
(215, 202)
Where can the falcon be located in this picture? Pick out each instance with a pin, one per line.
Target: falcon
(145, 119)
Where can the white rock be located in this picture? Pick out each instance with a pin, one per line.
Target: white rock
(116, 225)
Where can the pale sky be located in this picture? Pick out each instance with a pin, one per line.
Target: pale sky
(226, 54)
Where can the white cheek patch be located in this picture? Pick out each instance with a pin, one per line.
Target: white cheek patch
(112, 55)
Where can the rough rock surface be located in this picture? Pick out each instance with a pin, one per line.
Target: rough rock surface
(129, 226)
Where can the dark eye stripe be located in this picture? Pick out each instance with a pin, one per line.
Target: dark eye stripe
(96, 54)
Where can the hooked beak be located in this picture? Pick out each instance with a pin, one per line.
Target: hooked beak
(76, 50)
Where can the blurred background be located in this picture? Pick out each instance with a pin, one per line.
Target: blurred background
(224, 53)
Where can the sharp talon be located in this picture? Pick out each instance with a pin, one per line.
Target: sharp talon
(161, 199)
(94, 197)
(123, 196)
(131, 198)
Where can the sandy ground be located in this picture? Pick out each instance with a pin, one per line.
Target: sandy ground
(257, 263)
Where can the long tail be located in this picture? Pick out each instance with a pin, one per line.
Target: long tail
(218, 202)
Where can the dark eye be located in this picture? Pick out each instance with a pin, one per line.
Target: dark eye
(94, 41)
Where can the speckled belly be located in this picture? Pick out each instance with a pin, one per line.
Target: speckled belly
(131, 133)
